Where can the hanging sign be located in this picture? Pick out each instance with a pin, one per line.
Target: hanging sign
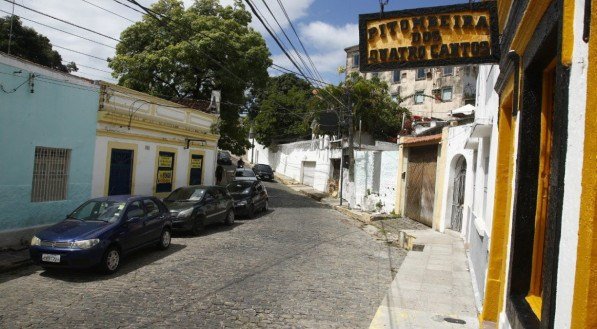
(433, 36)
(196, 163)
(165, 161)
(164, 177)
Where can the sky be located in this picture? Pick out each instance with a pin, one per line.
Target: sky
(325, 27)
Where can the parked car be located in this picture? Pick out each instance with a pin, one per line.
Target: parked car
(244, 174)
(263, 172)
(101, 231)
(249, 197)
(224, 158)
(193, 207)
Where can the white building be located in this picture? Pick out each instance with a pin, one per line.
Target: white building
(147, 145)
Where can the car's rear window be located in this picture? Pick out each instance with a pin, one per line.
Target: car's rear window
(244, 173)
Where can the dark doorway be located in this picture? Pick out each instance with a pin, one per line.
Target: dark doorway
(121, 172)
(196, 169)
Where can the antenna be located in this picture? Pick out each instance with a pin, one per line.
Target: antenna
(382, 4)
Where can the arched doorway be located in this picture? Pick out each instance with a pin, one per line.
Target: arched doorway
(458, 187)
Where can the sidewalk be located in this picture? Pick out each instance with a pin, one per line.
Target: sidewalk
(432, 288)
(13, 258)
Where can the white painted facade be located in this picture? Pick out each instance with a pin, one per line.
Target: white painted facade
(156, 125)
(375, 175)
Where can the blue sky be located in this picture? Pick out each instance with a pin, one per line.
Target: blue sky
(325, 26)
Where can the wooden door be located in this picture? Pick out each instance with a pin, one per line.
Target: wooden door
(420, 183)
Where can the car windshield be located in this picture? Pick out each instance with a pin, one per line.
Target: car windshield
(107, 211)
(186, 194)
(239, 187)
(245, 173)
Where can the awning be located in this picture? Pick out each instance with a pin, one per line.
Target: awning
(466, 110)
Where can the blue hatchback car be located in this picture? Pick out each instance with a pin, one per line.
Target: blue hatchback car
(101, 231)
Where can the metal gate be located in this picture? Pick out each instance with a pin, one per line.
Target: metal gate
(458, 197)
(420, 183)
(308, 173)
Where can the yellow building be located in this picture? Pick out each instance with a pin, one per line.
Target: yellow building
(151, 146)
(542, 269)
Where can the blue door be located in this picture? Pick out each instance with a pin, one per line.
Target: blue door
(121, 172)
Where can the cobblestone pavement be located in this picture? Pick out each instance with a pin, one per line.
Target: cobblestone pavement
(301, 265)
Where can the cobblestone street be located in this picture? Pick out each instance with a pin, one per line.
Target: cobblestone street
(300, 265)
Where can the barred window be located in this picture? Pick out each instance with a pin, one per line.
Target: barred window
(50, 174)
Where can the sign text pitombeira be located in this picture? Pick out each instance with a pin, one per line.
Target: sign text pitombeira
(433, 36)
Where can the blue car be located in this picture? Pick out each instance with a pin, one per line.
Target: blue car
(101, 231)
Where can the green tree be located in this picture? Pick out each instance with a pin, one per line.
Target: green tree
(173, 57)
(370, 102)
(282, 111)
(28, 44)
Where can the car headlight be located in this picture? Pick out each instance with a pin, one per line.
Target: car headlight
(185, 213)
(35, 241)
(84, 244)
(242, 203)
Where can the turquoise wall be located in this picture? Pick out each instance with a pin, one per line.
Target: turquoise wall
(57, 114)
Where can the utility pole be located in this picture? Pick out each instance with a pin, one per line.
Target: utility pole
(11, 22)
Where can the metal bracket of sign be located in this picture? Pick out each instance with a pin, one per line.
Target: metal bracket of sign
(429, 37)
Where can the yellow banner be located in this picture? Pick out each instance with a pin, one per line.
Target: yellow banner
(164, 176)
(165, 161)
(196, 163)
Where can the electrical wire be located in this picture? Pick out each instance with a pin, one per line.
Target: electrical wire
(62, 20)
(134, 9)
(319, 76)
(109, 11)
(88, 67)
(78, 52)
(15, 88)
(57, 29)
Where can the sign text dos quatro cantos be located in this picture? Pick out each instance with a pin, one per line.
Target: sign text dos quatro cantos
(431, 36)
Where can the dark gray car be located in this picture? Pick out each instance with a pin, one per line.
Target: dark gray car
(193, 207)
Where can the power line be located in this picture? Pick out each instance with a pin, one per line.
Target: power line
(287, 38)
(319, 76)
(89, 67)
(287, 70)
(63, 21)
(78, 52)
(107, 10)
(57, 29)
(134, 9)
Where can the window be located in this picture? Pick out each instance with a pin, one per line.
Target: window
(50, 174)
(396, 76)
(355, 60)
(446, 94)
(151, 208)
(134, 210)
(421, 74)
(448, 70)
(395, 98)
(419, 97)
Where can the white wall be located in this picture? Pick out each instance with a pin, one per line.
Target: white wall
(375, 180)
(145, 171)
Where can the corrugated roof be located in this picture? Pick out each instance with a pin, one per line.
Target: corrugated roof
(410, 140)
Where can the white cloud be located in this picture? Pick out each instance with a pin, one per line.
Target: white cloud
(295, 9)
(326, 37)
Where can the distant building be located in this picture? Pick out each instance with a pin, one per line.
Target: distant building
(425, 92)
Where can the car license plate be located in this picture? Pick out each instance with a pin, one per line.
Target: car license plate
(50, 258)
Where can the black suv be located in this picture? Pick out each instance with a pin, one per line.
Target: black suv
(263, 172)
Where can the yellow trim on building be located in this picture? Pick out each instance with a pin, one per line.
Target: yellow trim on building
(191, 153)
(568, 32)
(155, 172)
(121, 146)
(138, 137)
(123, 121)
(528, 25)
(496, 270)
(585, 286)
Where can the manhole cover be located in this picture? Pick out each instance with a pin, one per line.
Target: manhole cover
(454, 320)
(418, 247)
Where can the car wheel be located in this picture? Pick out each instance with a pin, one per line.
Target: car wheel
(198, 226)
(165, 239)
(230, 218)
(111, 260)
(250, 211)
(265, 206)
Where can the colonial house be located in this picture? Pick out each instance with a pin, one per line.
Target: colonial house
(47, 134)
(148, 145)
